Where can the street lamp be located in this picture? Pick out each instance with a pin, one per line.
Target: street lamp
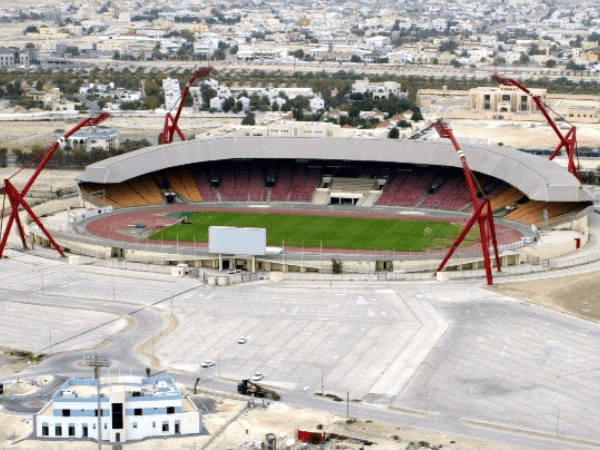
(97, 363)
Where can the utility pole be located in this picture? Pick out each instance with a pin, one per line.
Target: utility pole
(97, 363)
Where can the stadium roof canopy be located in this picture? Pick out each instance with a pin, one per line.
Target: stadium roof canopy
(535, 176)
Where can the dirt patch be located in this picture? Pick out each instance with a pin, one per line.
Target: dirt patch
(14, 361)
(250, 429)
(573, 294)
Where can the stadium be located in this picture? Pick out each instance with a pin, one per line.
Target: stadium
(346, 177)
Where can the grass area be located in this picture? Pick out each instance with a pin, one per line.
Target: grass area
(333, 232)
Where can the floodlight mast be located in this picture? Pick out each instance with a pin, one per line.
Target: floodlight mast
(17, 198)
(171, 125)
(568, 141)
(482, 215)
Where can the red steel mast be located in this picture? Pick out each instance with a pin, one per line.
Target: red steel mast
(171, 122)
(483, 210)
(568, 141)
(17, 198)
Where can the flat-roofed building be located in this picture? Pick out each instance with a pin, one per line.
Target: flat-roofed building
(504, 99)
(131, 409)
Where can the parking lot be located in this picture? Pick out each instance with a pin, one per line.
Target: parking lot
(455, 351)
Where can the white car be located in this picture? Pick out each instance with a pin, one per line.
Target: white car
(208, 363)
(257, 376)
(241, 340)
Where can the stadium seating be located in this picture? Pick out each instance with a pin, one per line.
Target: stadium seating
(304, 183)
(409, 191)
(408, 186)
(146, 187)
(176, 182)
(193, 194)
(392, 191)
(532, 212)
(256, 190)
(281, 190)
(452, 195)
(508, 197)
(227, 187)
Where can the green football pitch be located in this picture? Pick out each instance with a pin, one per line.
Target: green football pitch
(328, 231)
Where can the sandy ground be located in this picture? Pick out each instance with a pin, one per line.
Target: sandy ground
(26, 386)
(575, 294)
(283, 421)
(48, 178)
(526, 135)
(24, 135)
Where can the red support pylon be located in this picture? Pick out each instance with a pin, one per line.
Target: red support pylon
(171, 123)
(568, 141)
(17, 199)
(483, 214)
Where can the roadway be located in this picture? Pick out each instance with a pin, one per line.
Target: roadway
(429, 71)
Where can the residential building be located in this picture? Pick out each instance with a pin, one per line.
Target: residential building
(379, 90)
(94, 137)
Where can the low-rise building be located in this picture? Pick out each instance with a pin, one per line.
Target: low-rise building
(12, 56)
(172, 93)
(379, 90)
(126, 410)
(504, 99)
(94, 137)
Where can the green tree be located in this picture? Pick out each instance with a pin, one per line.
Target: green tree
(151, 102)
(354, 111)
(448, 46)
(151, 88)
(394, 133)
(416, 116)
(298, 54)
(551, 63)
(228, 104)
(250, 119)
(187, 35)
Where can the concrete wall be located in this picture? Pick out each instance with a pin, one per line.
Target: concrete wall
(553, 244)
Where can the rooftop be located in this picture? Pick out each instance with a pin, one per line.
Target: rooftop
(86, 388)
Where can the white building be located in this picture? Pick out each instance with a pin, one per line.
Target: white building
(130, 410)
(316, 104)
(94, 137)
(172, 93)
(379, 90)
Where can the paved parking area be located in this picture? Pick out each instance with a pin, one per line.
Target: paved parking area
(454, 350)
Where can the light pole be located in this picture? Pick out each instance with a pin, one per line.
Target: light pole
(97, 363)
